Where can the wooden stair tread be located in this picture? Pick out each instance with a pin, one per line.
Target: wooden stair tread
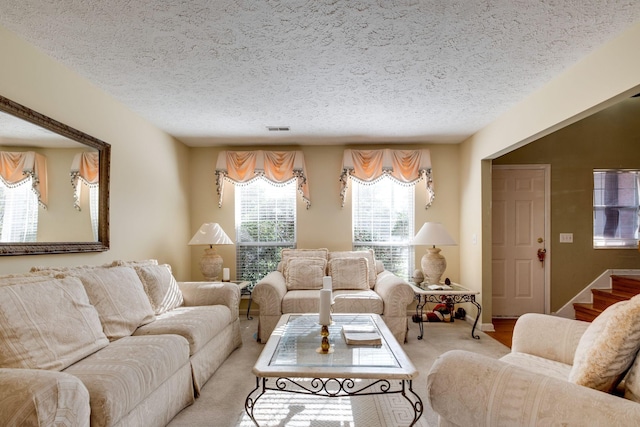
(585, 311)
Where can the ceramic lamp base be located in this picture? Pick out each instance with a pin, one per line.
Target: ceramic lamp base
(211, 265)
(433, 265)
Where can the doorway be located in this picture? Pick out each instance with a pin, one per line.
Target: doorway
(520, 232)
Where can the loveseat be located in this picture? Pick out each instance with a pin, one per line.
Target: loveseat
(360, 284)
(121, 344)
(560, 372)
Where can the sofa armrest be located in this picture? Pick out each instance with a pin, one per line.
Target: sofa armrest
(395, 292)
(546, 336)
(40, 397)
(468, 389)
(269, 292)
(211, 293)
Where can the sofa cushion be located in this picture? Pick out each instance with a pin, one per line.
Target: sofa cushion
(608, 347)
(127, 371)
(197, 324)
(368, 254)
(287, 253)
(160, 286)
(357, 301)
(305, 272)
(118, 295)
(47, 324)
(301, 301)
(349, 273)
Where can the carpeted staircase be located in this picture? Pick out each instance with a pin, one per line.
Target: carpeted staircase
(622, 288)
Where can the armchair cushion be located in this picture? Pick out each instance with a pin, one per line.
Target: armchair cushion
(305, 273)
(349, 273)
(160, 286)
(608, 347)
(287, 253)
(368, 254)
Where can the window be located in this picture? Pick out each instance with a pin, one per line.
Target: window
(18, 212)
(94, 209)
(615, 208)
(265, 224)
(383, 220)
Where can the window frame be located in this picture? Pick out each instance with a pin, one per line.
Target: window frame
(378, 245)
(267, 253)
(600, 206)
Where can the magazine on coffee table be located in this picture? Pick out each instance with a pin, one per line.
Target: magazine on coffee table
(361, 335)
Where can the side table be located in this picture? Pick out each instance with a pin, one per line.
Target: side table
(246, 288)
(455, 295)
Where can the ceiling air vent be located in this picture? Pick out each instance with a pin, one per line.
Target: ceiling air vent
(278, 128)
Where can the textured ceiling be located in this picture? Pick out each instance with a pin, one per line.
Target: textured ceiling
(218, 72)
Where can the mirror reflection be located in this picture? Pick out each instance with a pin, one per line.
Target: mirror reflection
(51, 176)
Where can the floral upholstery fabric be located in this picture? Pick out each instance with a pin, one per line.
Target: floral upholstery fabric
(287, 253)
(608, 347)
(304, 273)
(357, 301)
(368, 254)
(349, 273)
(160, 286)
(47, 324)
(37, 397)
(122, 374)
(118, 295)
(197, 324)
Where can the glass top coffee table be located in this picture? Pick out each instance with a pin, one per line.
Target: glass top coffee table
(292, 362)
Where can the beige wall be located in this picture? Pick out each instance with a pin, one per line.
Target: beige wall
(607, 139)
(149, 179)
(325, 223)
(601, 79)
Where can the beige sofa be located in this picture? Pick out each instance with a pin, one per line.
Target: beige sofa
(117, 345)
(360, 285)
(560, 372)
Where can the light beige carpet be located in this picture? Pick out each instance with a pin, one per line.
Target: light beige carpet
(221, 403)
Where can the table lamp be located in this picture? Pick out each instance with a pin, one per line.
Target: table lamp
(210, 233)
(433, 263)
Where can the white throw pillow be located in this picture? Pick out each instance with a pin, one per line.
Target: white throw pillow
(368, 254)
(118, 295)
(349, 273)
(47, 324)
(304, 273)
(161, 287)
(608, 347)
(287, 253)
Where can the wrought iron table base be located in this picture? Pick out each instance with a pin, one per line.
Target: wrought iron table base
(452, 299)
(335, 387)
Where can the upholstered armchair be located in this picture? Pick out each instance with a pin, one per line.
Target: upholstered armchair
(360, 285)
(560, 372)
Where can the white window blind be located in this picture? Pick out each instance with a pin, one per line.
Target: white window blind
(383, 220)
(94, 209)
(616, 202)
(18, 213)
(265, 224)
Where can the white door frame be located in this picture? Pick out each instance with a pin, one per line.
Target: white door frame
(547, 224)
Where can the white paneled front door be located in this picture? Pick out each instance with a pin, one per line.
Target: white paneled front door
(518, 232)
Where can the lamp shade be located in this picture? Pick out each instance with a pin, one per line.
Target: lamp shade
(210, 233)
(433, 233)
(433, 263)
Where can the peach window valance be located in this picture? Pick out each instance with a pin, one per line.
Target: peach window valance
(278, 167)
(86, 168)
(18, 167)
(406, 167)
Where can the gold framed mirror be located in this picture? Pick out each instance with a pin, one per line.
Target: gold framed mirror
(41, 134)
